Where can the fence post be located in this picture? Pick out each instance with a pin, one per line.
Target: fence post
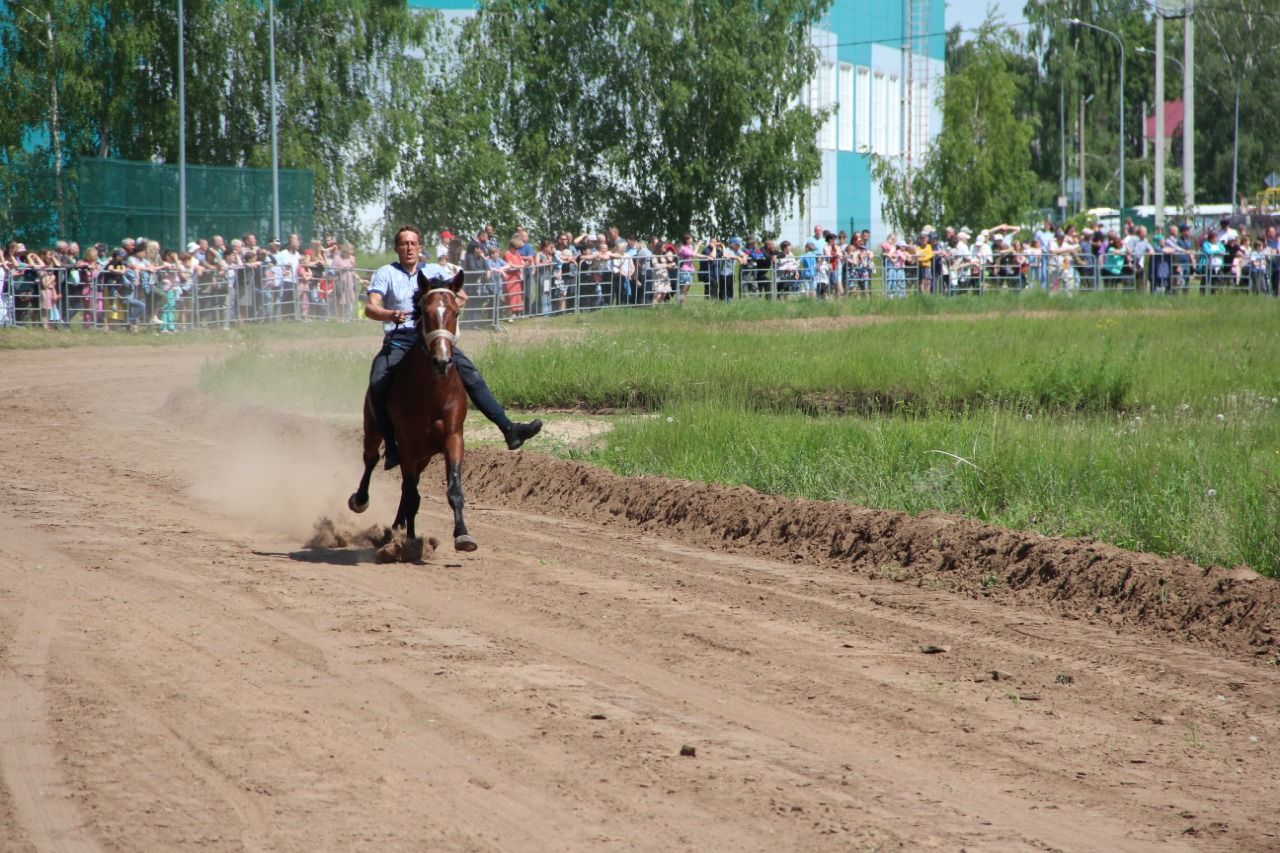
(577, 287)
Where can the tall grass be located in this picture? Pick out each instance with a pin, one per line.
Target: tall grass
(1062, 360)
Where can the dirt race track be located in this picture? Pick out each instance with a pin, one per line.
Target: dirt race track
(177, 671)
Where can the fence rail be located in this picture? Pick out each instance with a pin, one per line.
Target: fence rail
(169, 300)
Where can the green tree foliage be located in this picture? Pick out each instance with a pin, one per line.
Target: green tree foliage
(350, 79)
(909, 200)
(982, 157)
(658, 115)
(1078, 62)
(1235, 43)
(979, 169)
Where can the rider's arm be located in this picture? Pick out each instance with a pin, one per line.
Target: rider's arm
(374, 311)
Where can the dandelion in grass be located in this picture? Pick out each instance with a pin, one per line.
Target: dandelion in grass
(1027, 416)
(1211, 493)
(1220, 417)
(670, 419)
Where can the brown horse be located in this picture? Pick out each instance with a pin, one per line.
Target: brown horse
(427, 405)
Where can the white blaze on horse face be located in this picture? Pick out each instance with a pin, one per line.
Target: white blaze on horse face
(442, 346)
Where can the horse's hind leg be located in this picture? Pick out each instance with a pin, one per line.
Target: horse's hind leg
(359, 500)
(462, 541)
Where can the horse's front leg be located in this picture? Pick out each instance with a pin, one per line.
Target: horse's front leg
(462, 541)
(409, 501)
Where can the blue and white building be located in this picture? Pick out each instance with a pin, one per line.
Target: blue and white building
(880, 71)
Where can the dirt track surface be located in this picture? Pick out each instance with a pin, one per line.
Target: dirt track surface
(176, 671)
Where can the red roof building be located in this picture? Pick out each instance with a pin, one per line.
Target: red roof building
(1172, 121)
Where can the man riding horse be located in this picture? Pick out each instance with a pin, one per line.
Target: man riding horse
(390, 301)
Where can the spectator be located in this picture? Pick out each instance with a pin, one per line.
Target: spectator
(809, 269)
(344, 266)
(563, 267)
(1212, 253)
(287, 261)
(684, 278)
(724, 260)
(624, 268)
(660, 267)
(924, 261)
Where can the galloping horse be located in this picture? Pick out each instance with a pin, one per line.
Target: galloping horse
(427, 405)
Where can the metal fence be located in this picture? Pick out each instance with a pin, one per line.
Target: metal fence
(170, 300)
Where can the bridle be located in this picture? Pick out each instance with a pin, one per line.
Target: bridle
(426, 339)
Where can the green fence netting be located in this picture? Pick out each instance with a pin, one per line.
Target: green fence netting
(107, 200)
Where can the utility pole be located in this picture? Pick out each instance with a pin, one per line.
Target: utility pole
(1062, 146)
(275, 145)
(55, 132)
(1146, 152)
(1235, 155)
(182, 132)
(1159, 200)
(1083, 101)
(1189, 114)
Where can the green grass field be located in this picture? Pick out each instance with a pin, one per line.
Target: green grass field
(1152, 424)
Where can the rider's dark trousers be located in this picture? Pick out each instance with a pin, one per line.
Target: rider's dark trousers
(389, 357)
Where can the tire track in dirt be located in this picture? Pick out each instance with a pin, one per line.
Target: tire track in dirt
(44, 816)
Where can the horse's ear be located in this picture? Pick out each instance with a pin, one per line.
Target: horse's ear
(456, 284)
(422, 282)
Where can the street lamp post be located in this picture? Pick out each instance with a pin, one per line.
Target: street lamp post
(1119, 42)
(1168, 57)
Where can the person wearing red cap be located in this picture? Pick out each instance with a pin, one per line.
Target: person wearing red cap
(442, 248)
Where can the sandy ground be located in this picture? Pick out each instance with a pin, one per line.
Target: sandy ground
(177, 672)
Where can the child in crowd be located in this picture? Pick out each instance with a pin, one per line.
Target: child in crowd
(659, 276)
(810, 269)
(171, 287)
(305, 282)
(684, 278)
(788, 267)
(895, 277)
(49, 296)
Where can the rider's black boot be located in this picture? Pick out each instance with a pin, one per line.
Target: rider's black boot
(518, 434)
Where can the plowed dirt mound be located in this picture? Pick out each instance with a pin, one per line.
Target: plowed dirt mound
(1233, 609)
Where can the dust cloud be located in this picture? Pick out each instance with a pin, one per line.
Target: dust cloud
(277, 473)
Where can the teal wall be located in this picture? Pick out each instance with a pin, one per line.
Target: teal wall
(856, 25)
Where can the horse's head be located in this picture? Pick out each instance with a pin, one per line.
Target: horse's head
(435, 314)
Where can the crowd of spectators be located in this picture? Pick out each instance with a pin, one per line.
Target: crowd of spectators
(1064, 258)
(596, 269)
(136, 285)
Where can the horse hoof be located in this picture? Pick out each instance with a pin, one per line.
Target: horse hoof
(464, 543)
(355, 506)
